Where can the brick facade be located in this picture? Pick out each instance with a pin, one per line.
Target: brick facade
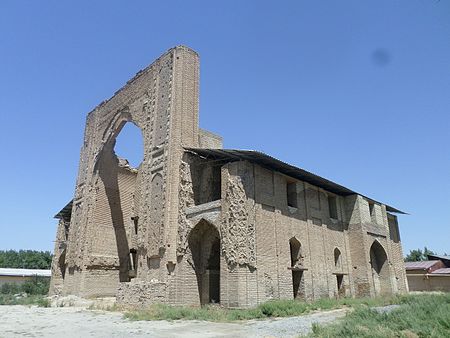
(187, 229)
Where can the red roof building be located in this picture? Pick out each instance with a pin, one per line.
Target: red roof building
(431, 275)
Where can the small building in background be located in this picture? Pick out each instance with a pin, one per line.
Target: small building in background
(19, 276)
(430, 275)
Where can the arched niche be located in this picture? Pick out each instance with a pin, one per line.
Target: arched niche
(297, 268)
(380, 269)
(204, 245)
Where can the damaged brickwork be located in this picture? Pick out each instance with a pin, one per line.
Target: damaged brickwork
(238, 227)
(195, 224)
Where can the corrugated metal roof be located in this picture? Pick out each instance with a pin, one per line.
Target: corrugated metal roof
(441, 271)
(25, 272)
(421, 265)
(445, 259)
(65, 212)
(282, 167)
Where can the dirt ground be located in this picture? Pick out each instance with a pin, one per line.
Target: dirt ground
(68, 322)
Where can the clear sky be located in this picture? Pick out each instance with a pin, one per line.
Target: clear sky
(355, 91)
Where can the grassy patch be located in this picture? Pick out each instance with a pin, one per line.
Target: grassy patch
(425, 315)
(39, 300)
(276, 308)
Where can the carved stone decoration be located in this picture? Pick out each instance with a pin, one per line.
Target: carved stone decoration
(238, 229)
(156, 225)
(186, 200)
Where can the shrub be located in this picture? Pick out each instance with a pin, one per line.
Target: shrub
(426, 315)
(10, 289)
(37, 285)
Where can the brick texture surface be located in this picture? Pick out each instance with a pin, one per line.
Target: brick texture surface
(183, 229)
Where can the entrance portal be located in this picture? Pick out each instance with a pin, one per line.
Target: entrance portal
(204, 244)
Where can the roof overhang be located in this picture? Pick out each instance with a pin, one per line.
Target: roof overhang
(272, 163)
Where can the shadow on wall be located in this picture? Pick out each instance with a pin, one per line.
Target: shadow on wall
(108, 167)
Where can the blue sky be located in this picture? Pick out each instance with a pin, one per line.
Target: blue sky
(355, 91)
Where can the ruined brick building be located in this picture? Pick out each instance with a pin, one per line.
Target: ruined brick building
(198, 224)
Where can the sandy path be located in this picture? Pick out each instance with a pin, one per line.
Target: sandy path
(68, 322)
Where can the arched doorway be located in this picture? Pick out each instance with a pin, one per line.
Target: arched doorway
(297, 268)
(204, 245)
(380, 269)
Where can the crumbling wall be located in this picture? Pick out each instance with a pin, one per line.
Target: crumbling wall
(185, 201)
(141, 293)
(238, 223)
(161, 100)
(238, 236)
(59, 258)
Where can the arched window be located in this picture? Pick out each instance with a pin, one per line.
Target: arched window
(337, 259)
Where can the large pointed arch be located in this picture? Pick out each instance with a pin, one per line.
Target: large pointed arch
(381, 279)
(204, 246)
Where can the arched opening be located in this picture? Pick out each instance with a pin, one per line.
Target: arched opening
(380, 269)
(297, 268)
(338, 272)
(129, 145)
(204, 245)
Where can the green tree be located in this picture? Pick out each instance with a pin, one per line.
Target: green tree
(418, 255)
(25, 259)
